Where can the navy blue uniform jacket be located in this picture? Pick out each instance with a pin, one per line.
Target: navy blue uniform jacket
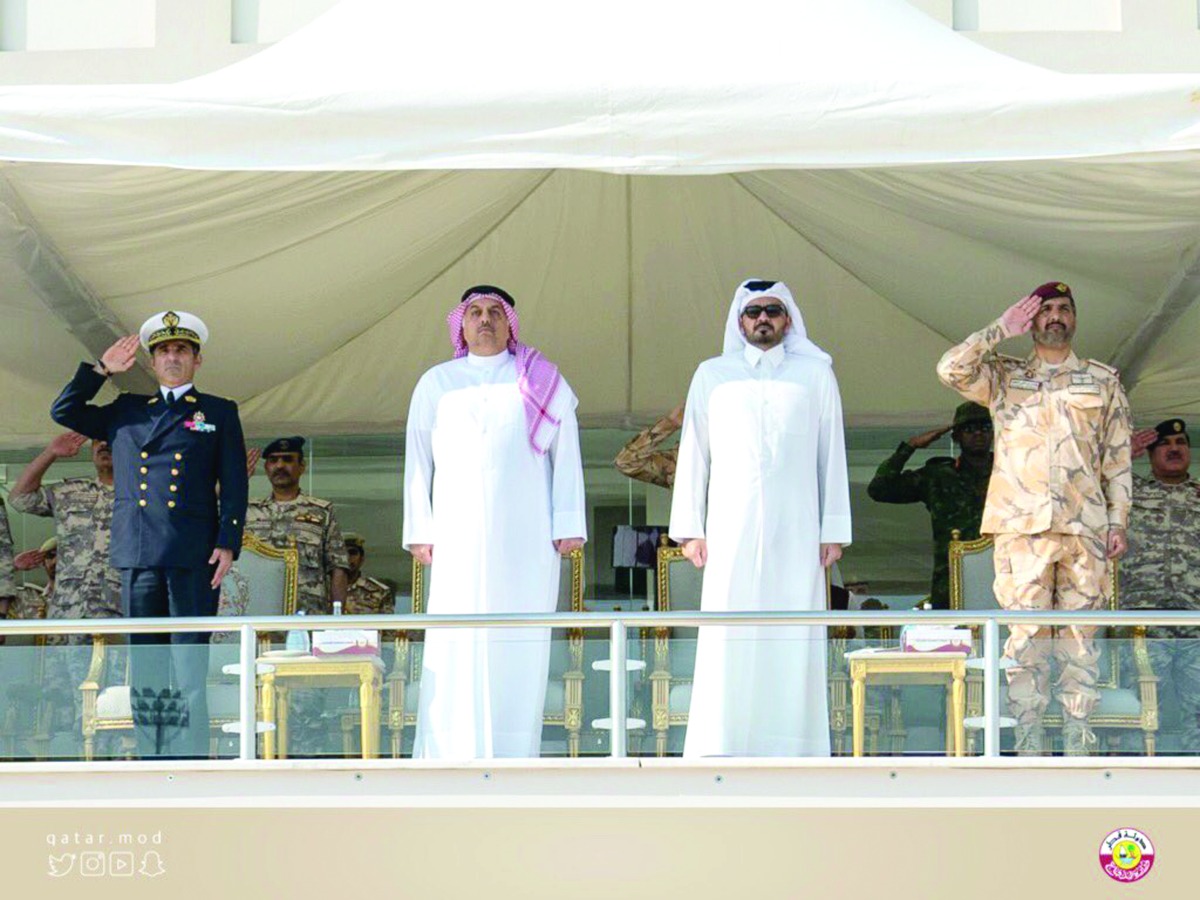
(167, 465)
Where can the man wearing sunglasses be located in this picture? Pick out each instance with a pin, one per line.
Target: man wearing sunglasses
(762, 503)
(953, 490)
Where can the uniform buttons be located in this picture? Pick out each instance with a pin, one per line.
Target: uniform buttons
(146, 455)
(174, 488)
(170, 504)
(143, 470)
(144, 485)
(174, 471)
(235, 521)
(142, 502)
(179, 456)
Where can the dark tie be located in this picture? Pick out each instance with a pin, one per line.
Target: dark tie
(170, 398)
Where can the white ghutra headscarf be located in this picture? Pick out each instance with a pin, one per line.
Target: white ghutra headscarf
(761, 291)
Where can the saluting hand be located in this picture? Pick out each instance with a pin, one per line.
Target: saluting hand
(66, 444)
(30, 559)
(224, 562)
(923, 440)
(1141, 441)
(121, 356)
(1018, 318)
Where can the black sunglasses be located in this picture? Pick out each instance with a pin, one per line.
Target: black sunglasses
(774, 311)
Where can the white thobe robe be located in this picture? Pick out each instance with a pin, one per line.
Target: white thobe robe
(476, 491)
(762, 476)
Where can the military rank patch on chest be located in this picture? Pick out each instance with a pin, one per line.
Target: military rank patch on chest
(1025, 384)
(1082, 378)
(310, 519)
(197, 423)
(1083, 388)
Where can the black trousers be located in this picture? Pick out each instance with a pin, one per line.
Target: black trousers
(168, 673)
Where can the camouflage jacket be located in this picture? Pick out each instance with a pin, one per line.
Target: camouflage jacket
(85, 585)
(953, 494)
(1062, 455)
(8, 575)
(1162, 568)
(33, 602)
(642, 460)
(366, 596)
(312, 523)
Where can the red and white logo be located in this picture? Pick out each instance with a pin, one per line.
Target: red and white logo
(1126, 855)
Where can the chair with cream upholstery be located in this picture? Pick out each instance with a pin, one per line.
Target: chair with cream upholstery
(564, 691)
(263, 582)
(972, 575)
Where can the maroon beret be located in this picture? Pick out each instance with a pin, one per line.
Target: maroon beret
(1052, 289)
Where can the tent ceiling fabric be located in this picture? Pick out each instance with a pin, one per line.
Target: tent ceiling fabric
(323, 203)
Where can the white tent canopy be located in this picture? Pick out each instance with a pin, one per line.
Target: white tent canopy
(619, 168)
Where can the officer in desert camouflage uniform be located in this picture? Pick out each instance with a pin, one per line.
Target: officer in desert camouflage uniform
(1162, 570)
(953, 490)
(289, 515)
(85, 585)
(1058, 500)
(365, 595)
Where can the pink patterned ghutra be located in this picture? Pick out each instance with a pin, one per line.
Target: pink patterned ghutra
(537, 377)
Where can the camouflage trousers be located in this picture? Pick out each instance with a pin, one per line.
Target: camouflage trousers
(1051, 571)
(1176, 662)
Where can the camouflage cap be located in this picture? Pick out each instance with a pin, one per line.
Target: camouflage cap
(966, 413)
(285, 445)
(49, 545)
(354, 541)
(1168, 428)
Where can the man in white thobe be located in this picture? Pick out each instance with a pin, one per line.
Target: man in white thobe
(493, 493)
(762, 500)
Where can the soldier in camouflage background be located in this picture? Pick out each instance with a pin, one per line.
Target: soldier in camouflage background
(34, 599)
(85, 585)
(290, 514)
(1058, 500)
(953, 490)
(641, 458)
(365, 595)
(1162, 570)
(8, 575)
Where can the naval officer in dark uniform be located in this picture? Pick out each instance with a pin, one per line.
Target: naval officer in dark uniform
(179, 472)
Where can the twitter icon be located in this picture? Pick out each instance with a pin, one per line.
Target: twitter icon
(61, 865)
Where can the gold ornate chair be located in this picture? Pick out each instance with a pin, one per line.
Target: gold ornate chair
(678, 588)
(972, 575)
(263, 582)
(564, 693)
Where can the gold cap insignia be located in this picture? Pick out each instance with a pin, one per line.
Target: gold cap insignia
(1062, 287)
(170, 319)
(1178, 425)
